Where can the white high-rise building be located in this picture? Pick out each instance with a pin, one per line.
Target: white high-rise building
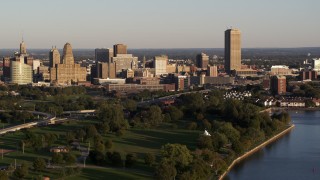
(316, 64)
(160, 65)
(20, 73)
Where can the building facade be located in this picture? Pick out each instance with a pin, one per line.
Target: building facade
(54, 57)
(119, 49)
(308, 75)
(212, 71)
(202, 61)
(278, 85)
(160, 65)
(68, 72)
(232, 51)
(20, 73)
(125, 61)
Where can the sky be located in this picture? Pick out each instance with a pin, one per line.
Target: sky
(158, 23)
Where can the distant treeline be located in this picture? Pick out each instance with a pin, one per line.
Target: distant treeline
(188, 53)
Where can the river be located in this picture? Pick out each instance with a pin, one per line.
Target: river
(295, 156)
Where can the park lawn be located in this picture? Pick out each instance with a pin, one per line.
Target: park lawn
(106, 173)
(134, 140)
(141, 141)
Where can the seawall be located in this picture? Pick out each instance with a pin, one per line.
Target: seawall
(252, 151)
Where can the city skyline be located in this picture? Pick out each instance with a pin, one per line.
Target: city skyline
(165, 24)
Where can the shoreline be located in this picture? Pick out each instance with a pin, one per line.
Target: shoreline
(254, 150)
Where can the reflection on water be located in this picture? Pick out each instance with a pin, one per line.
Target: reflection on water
(294, 156)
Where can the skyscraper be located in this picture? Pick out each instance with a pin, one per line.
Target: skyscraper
(103, 58)
(202, 61)
(119, 49)
(103, 55)
(160, 65)
(54, 57)
(232, 51)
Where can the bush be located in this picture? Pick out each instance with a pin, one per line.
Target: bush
(192, 126)
(120, 133)
(115, 159)
(149, 159)
(70, 158)
(131, 159)
(57, 158)
(108, 144)
(39, 164)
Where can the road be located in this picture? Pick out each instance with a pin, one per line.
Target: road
(47, 120)
(157, 100)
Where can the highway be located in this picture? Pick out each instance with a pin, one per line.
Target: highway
(47, 120)
(157, 100)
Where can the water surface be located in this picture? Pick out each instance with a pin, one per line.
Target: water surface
(295, 156)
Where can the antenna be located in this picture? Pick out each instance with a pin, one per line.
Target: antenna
(22, 36)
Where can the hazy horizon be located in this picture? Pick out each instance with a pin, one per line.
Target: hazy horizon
(163, 24)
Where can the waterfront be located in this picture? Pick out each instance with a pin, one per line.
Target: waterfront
(294, 156)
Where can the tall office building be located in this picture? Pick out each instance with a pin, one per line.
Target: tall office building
(54, 57)
(119, 49)
(202, 61)
(160, 65)
(68, 72)
(103, 55)
(232, 51)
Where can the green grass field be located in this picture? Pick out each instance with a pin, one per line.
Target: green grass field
(137, 141)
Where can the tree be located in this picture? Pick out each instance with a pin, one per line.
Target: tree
(113, 115)
(115, 159)
(50, 138)
(154, 115)
(149, 159)
(3, 175)
(80, 134)
(70, 136)
(175, 113)
(57, 158)
(70, 158)
(231, 133)
(104, 128)
(21, 171)
(97, 157)
(165, 170)
(178, 154)
(130, 105)
(91, 131)
(205, 142)
(39, 164)
(108, 144)
(131, 159)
